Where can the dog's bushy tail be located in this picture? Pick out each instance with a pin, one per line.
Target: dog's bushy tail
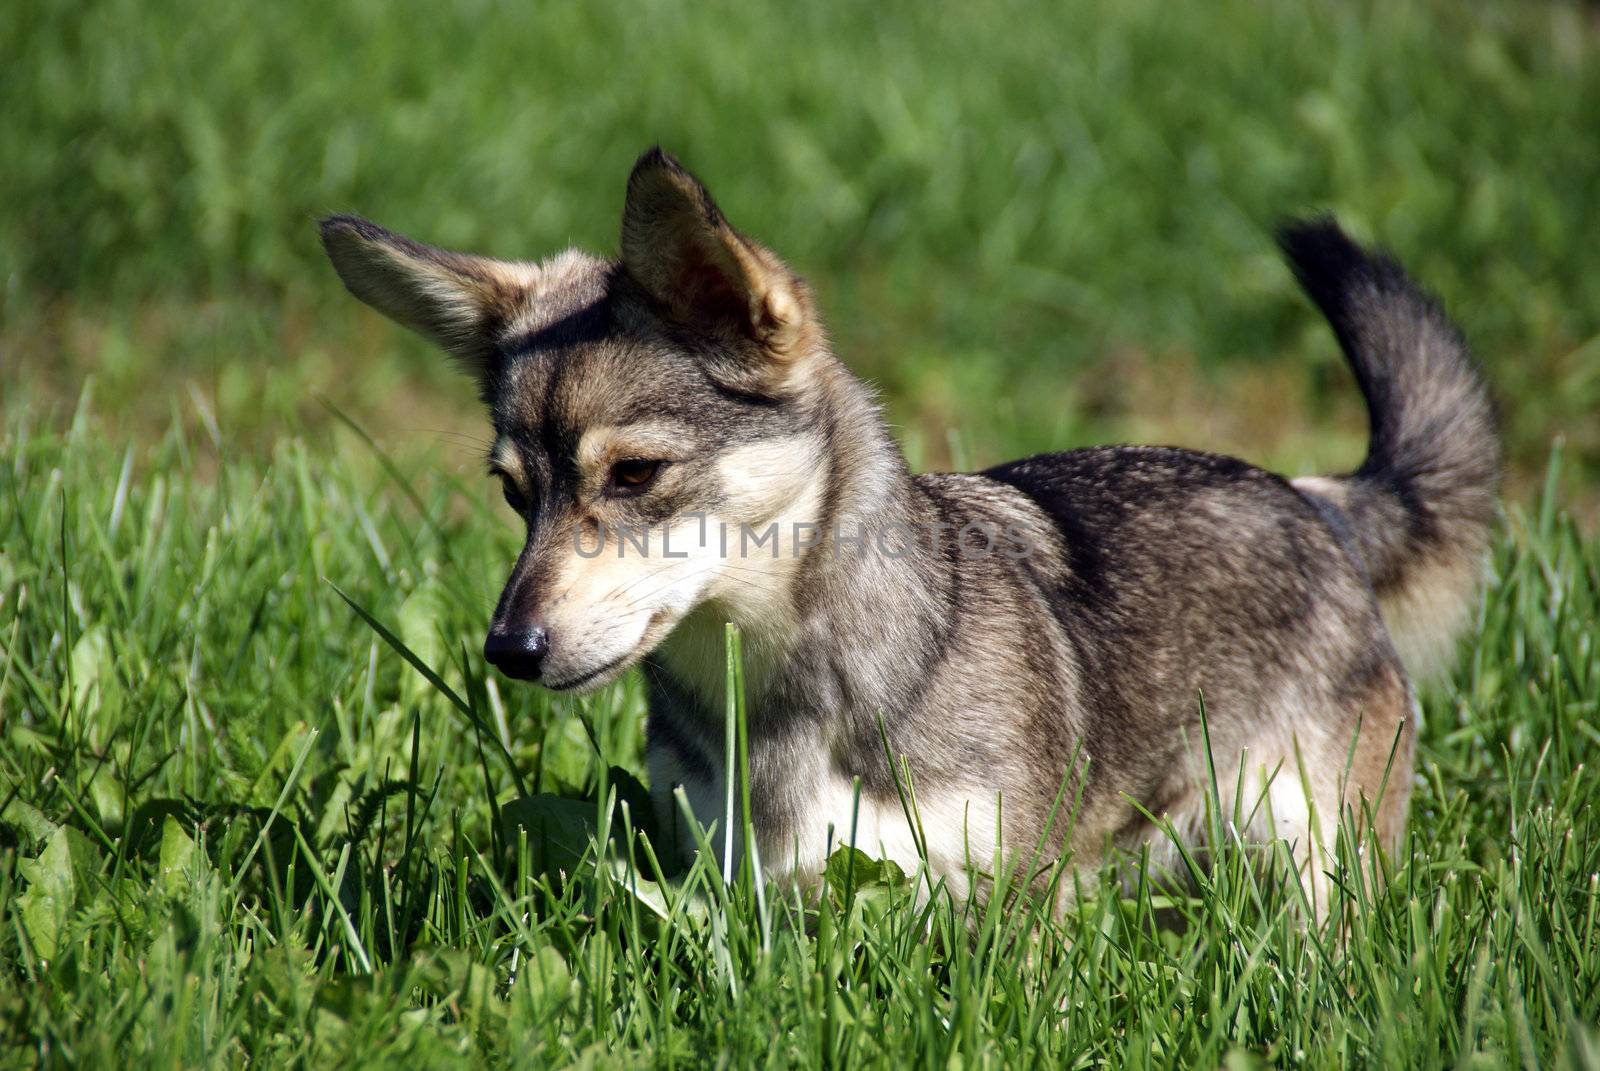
(1422, 505)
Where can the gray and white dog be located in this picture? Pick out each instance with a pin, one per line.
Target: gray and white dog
(686, 450)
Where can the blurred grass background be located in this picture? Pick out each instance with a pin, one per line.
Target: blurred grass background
(1035, 226)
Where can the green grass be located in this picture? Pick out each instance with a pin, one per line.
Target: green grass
(237, 827)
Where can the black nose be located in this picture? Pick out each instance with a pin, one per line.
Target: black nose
(517, 653)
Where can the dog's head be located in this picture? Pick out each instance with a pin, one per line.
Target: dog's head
(653, 416)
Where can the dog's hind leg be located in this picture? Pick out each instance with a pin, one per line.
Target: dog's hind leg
(1320, 762)
(1350, 775)
(1377, 786)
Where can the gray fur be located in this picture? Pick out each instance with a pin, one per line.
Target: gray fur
(1157, 576)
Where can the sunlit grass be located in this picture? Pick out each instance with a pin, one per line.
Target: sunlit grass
(237, 826)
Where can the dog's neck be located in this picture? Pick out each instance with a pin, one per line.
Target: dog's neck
(832, 633)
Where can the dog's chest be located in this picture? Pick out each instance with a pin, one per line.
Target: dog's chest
(806, 809)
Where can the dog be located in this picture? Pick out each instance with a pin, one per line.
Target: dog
(942, 658)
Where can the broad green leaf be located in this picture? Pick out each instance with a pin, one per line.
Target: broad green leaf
(91, 674)
(559, 830)
(691, 903)
(52, 889)
(110, 800)
(852, 867)
(26, 817)
(177, 858)
(543, 985)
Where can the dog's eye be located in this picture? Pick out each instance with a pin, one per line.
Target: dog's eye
(632, 476)
(514, 499)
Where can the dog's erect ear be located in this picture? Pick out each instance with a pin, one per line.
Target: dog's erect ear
(456, 299)
(677, 245)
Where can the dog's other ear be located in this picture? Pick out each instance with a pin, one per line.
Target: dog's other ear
(677, 245)
(455, 299)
